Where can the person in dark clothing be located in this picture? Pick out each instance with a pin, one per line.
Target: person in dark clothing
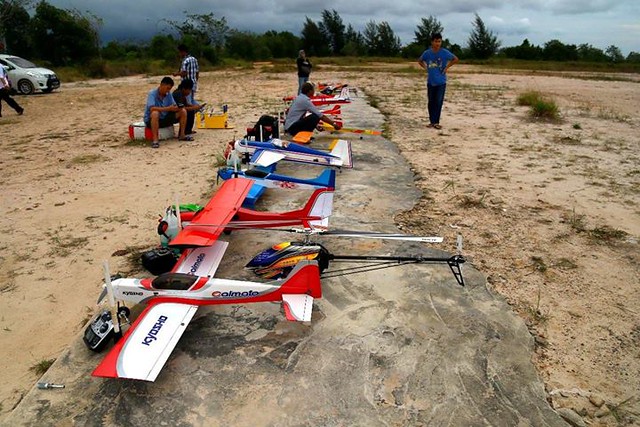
(304, 69)
(5, 93)
(183, 96)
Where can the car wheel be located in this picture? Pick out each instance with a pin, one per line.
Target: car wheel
(25, 87)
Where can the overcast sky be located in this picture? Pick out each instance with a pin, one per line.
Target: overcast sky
(600, 23)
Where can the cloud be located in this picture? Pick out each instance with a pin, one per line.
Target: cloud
(570, 7)
(590, 21)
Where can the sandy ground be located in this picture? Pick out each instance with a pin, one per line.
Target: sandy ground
(548, 210)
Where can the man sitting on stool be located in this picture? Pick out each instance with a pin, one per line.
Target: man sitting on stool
(183, 96)
(297, 118)
(162, 111)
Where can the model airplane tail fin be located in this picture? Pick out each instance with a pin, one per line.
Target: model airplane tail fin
(299, 289)
(303, 279)
(320, 205)
(327, 178)
(342, 149)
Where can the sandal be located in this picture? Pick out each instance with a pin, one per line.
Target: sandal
(155, 144)
(186, 138)
(437, 126)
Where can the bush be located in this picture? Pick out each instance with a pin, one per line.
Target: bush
(541, 108)
(529, 98)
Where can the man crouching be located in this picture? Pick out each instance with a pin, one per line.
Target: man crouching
(162, 111)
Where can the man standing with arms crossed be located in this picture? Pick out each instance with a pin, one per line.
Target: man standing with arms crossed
(436, 61)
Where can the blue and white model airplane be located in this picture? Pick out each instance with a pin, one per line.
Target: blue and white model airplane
(264, 179)
(267, 153)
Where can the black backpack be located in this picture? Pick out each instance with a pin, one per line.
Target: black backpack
(267, 126)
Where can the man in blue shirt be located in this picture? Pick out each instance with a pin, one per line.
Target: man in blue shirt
(297, 119)
(162, 111)
(436, 61)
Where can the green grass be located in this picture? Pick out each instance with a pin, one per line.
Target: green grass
(606, 234)
(42, 366)
(541, 107)
(542, 67)
(101, 68)
(545, 110)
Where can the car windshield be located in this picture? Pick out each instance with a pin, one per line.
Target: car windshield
(22, 63)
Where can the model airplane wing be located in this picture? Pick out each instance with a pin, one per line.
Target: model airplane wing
(220, 210)
(144, 349)
(266, 158)
(202, 262)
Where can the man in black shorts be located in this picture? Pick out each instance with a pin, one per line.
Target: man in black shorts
(162, 111)
(183, 96)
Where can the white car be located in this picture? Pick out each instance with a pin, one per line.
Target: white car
(26, 77)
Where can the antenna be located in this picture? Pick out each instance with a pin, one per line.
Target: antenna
(112, 300)
(177, 204)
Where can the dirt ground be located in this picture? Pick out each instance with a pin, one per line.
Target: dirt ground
(548, 210)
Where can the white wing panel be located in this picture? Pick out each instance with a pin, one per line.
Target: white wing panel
(266, 158)
(149, 346)
(203, 261)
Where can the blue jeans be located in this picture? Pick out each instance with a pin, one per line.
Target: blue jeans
(435, 99)
(301, 81)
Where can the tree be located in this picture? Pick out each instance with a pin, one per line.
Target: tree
(555, 50)
(633, 57)
(246, 45)
(371, 37)
(15, 26)
(354, 43)
(281, 45)
(482, 43)
(333, 30)
(204, 35)
(163, 46)
(586, 52)
(389, 42)
(614, 54)
(426, 28)
(314, 42)
(63, 36)
(380, 39)
(525, 51)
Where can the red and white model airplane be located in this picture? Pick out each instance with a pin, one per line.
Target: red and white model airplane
(173, 298)
(341, 98)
